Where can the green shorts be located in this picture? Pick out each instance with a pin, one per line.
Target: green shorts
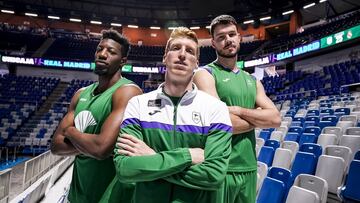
(240, 187)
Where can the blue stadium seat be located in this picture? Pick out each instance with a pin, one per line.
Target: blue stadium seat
(300, 119)
(292, 136)
(296, 130)
(342, 111)
(316, 149)
(272, 143)
(283, 175)
(325, 106)
(312, 113)
(332, 119)
(264, 134)
(304, 162)
(290, 113)
(296, 124)
(266, 155)
(307, 138)
(351, 191)
(314, 119)
(272, 191)
(313, 129)
(323, 124)
(357, 156)
(326, 112)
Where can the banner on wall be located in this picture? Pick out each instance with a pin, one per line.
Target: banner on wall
(76, 65)
(48, 62)
(340, 37)
(127, 68)
(315, 45)
(258, 62)
(240, 64)
(337, 38)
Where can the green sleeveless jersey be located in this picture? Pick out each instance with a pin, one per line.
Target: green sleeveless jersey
(91, 176)
(237, 89)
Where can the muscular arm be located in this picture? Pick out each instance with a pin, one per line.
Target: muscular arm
(100, 146)
(205, 82)
(59, 144)
(266, 116)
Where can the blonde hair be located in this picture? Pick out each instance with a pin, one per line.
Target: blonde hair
(183, 32)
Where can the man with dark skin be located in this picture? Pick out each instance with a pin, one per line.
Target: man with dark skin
(91, 125)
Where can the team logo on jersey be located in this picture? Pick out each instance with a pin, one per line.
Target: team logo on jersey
(83, 120)
(249, 82)
(154, 103)
(196, 117)
(226, 79)
(83, 99)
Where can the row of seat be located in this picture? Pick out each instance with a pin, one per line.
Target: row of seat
(311, 85)
(277, 184)
(316, 32)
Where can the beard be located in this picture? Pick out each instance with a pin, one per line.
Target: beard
(227, 55)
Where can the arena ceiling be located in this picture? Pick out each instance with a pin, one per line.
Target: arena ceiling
(177, 12)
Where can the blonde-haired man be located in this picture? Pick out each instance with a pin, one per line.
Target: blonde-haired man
(175, 142)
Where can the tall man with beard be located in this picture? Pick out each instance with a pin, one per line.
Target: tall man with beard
(248, 105)
(91, 125)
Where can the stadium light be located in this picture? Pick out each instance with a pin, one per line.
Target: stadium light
(95, 22)
(54, 17)
(309, 5)
(155, 28)
(172, 28)
(195, 28)
(322, 1)
(7, 11)
(116, 24)
(31, 14)
(133, 26)
(248, 21)
(288, 12)
(75, 20)
(208, 27)
(265, 18)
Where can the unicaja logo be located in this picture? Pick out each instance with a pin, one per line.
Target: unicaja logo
(83, 120)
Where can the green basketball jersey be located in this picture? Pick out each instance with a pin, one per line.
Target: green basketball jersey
(91, 176)
(237, 89)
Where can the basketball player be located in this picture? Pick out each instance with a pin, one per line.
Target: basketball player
(248, 105)
(175, 141)
(90, 127)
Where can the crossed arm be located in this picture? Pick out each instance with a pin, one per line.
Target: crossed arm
(243, 119)
(195, 168)
(68, 140)
(267, 116)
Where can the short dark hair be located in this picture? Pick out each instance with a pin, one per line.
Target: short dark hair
(119, 38)
(221, 20)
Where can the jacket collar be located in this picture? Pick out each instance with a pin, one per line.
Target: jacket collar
(190, 94)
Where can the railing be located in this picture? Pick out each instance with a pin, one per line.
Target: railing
(38, 166)
(5, 177)
(350, 87)
(39, 188)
